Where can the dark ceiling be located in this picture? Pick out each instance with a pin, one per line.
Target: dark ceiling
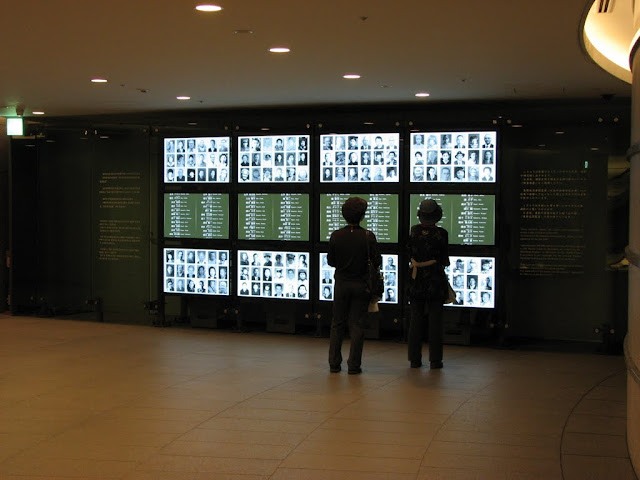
(152, 52)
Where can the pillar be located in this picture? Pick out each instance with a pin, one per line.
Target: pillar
(632, 341)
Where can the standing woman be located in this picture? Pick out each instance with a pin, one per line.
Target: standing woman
(428, 249)
(348, 249)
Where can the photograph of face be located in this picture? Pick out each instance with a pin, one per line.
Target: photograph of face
(267, 155)
(199, 272)
(458, 155)
(265, 276)
(361, 154)
(204, 163)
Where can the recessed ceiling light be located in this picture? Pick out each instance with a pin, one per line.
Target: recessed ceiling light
(516, 125)
(367, 123)
(559, 132)
(265, 129)
(192, 123)
(208, 8)
(422, 94)
(279, 50)
(38, 113)
(351, 76)
(183, 97)
(99, 80)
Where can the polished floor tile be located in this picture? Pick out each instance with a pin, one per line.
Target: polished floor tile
(94, 401)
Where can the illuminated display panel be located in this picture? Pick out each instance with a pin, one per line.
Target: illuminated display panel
(196, 215)
(273, 274)
(196, 160)
(273, 159)
(273, 216)
(381, 217)
(196, 271)
(389, 269)
(469, 218)
(360, 158)
(459, 157)
(473, 280)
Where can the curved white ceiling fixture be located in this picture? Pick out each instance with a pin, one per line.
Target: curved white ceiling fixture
(608, 33)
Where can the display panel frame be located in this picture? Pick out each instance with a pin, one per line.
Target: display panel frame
(274, 159)
(330, 204)
(389, 269)
(193, 211)
(459, 157)
(196, 271)
(459, 210)
(473, 280)
(290, 203)
(361, 158)
(197, 160)
(288, 274)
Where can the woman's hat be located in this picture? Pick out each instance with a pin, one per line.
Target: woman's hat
(354, 209)
(429, 211)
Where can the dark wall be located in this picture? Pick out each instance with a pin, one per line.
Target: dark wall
(24, 282)
(120, 226)
(64, 216)
(89, 249)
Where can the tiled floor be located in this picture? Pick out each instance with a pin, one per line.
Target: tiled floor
(98, 401)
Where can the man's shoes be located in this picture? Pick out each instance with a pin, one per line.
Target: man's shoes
(355, 371)
(335, 369)
(435, 365)
(416, 364)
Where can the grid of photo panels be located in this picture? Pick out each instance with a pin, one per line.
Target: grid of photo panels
(199, 272)
(473, 280)
(389, 270)
(462, 157)
(196, 160)
(360, 158)
(274, 159)
(273, 274)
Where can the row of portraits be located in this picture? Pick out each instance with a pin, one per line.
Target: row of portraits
(434, 173)
(272, 144)
(344, 158)
(282, 274)
(359, 141)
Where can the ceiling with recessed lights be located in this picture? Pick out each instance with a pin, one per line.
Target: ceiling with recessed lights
(152, 52)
